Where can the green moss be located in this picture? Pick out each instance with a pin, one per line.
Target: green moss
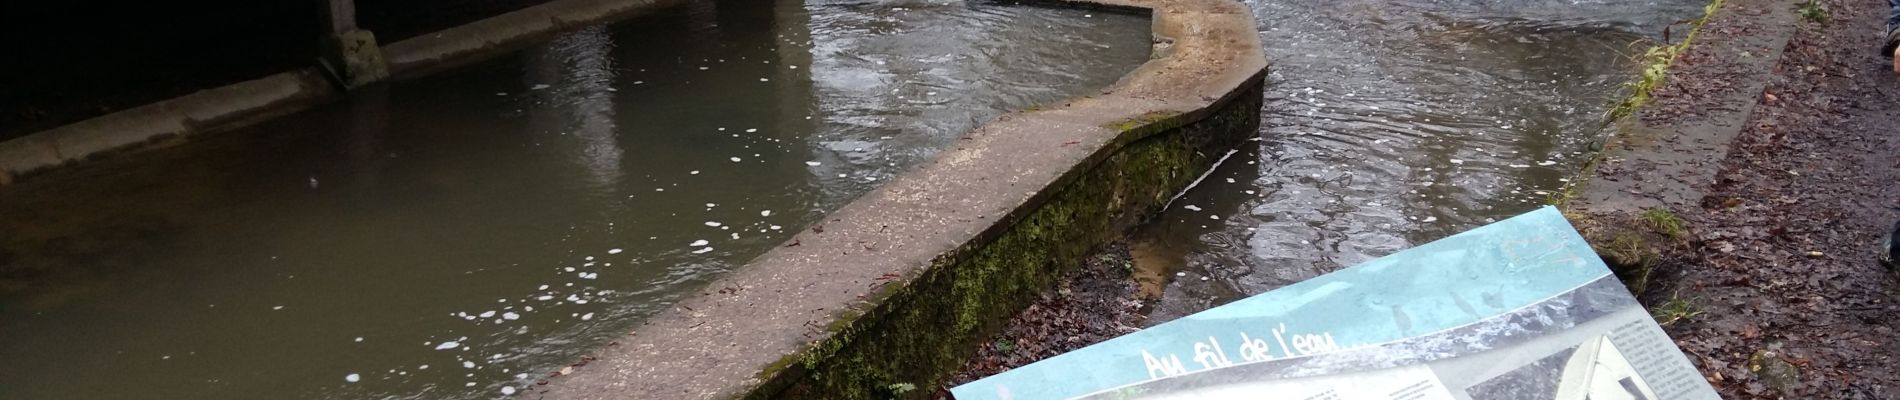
(922, 330)
(1144, 121)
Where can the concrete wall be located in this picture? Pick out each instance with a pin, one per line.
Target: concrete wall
(897, 287)
(242, 103)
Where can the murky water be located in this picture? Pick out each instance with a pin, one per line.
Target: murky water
(1391, 124)
(458, 236)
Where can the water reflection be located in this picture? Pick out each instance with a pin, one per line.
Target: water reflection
(462, 234)
(1390, 124)
(574, 74)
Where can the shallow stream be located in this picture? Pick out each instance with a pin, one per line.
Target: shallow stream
(1389, 124)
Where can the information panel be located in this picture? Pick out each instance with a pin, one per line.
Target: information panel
(1518, 309)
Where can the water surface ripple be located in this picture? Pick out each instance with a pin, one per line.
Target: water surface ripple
(1390, 124)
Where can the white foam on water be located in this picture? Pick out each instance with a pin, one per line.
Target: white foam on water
(489, 313)
(702, 250)
(734, 159)
(352, 378)
(813, 163)
(510, 316)
(447, 345)
(539, 87)
(588, 316)
(509, 390)
(614, 251)
(766, 213)
(698, 243)
(714, 224)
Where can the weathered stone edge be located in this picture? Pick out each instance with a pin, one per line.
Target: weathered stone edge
(231, 105)
(243, 103)
(1632, 222)
(475, 41)
(761, 331)
(1685, 163)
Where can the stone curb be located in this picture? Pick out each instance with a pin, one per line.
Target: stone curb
(1670, 164)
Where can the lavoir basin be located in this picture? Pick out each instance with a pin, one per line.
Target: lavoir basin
(463, 234)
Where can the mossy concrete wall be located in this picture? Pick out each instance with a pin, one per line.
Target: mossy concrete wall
(925, 329)
(894, 290)
(243, 103)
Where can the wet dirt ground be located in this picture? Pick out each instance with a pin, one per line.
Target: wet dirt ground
(1784, 270)
(1099, 301)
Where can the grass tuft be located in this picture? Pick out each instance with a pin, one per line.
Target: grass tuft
(1665, 222)
(1675, 310)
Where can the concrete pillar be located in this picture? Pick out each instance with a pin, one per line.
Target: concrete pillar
(350, 54)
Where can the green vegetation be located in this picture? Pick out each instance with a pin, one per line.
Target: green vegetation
(1675, 310)
(1655, 66)
(1665, 222)
(1812, 11)
(1126, 266)
(1005, 345)
(900, 388)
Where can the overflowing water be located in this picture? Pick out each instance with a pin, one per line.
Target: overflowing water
(461, 235)
(1391, 124)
